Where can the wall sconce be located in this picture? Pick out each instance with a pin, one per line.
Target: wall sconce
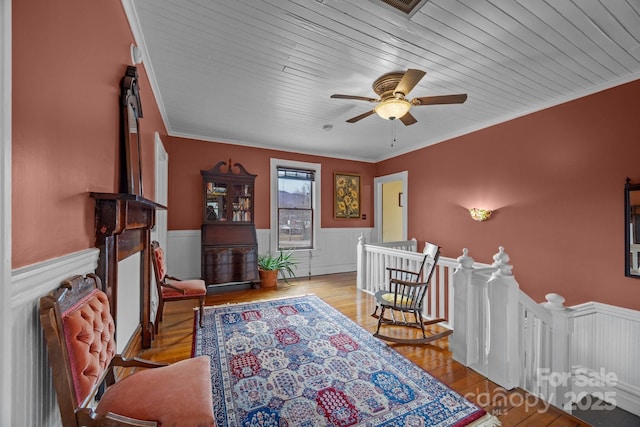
(480, 214)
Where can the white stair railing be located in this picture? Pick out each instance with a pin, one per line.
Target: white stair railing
(374, 258)
(499, 331)
(506, 336)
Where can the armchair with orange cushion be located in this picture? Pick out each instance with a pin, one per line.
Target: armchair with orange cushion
(171, 288)
(79, 333)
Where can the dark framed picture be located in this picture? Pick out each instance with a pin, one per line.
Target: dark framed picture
(346, 195)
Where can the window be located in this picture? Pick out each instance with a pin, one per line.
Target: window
(295, 211)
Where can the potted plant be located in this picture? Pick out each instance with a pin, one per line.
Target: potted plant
(270, 265)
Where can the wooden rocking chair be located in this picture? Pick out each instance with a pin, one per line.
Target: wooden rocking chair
(405, 294)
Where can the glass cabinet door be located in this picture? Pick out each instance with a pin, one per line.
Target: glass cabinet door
(228, 194)
(216, 201)
(242, 203)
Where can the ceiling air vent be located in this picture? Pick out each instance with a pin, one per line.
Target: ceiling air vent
(405, 7)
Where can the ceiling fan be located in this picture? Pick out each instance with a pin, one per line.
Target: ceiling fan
(392, 88)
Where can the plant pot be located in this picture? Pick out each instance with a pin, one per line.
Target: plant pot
(268, 278)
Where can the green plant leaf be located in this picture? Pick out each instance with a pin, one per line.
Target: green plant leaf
(284, 263)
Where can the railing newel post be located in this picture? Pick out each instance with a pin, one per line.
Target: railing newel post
(503, 359)
(465, 333)
(414, 244)
(361, 256)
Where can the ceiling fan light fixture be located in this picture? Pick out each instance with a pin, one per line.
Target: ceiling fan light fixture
(392, 108)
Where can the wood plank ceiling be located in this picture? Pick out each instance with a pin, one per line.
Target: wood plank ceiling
(260, 73)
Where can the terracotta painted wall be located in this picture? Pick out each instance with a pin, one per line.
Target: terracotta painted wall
(187, 157)
(68, 59)
(556, 178)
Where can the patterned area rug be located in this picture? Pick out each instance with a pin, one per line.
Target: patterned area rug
(300, 362)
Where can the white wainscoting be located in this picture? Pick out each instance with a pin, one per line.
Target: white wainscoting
(606, 354)
(33, 395)
(606, 339)
(183, 254)
(335, 252)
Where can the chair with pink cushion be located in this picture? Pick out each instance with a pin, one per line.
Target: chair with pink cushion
(171, 288)
(80, 336)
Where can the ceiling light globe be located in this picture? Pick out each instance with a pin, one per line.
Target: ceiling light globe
(392, 108)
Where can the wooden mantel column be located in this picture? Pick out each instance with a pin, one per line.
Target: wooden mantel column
(123, 228)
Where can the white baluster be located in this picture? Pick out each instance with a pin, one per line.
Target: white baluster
(561, 330)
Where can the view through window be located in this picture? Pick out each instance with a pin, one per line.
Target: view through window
(295, 208)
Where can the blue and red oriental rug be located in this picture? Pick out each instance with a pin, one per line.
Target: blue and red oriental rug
(300, 362)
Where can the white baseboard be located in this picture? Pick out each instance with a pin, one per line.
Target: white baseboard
(603, 386)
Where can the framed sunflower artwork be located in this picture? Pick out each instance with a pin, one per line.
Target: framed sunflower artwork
(346, 200)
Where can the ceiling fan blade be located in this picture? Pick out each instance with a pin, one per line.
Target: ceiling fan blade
(408, 119)
(444, 99)
(409, 80)
(359, 98)
(360, 117)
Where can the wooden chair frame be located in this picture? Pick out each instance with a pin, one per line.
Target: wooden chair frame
(80, 334)
(162, 281)
(83, 414)
(405, 294)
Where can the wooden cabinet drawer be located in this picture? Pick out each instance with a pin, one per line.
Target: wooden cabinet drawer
(229, 264)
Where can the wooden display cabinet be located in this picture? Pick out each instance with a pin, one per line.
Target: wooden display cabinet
(229, 243)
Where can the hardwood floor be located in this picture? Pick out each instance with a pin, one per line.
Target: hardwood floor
(513, 408)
